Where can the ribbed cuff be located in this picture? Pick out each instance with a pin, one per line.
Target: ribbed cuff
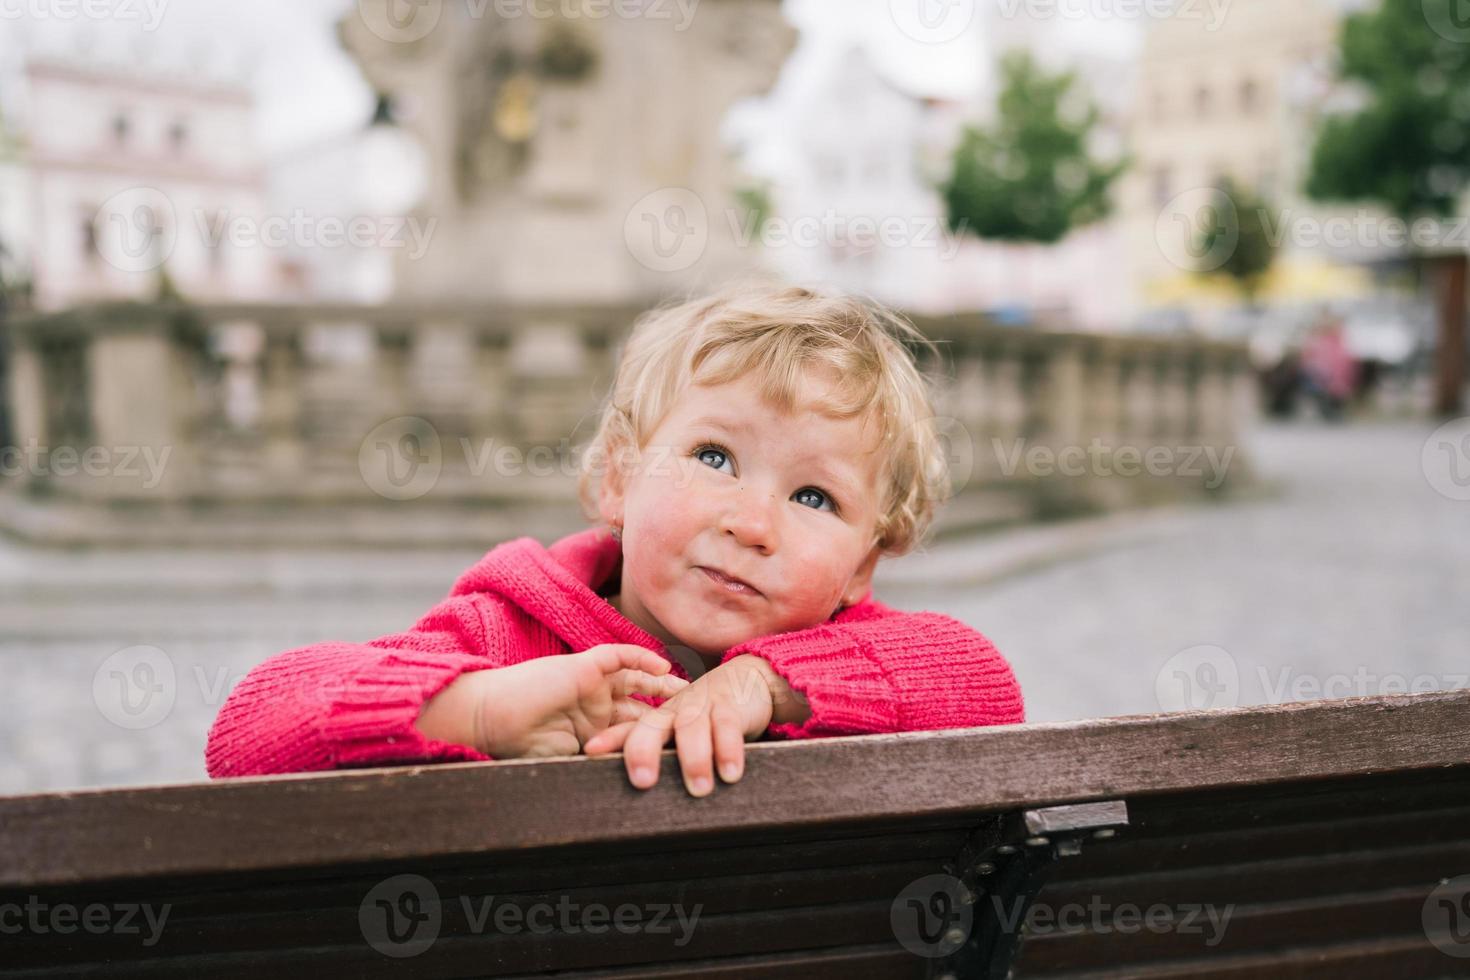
(843, 683)
(371, 720)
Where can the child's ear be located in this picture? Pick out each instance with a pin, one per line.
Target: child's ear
(612, 486)
(862, 579)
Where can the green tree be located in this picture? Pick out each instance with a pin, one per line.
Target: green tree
(1029, 176)
(1406, 147)
(1238, 243)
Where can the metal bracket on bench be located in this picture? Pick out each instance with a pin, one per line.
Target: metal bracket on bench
(1001, 869)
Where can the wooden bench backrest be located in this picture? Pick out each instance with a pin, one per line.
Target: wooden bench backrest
(1327, 825)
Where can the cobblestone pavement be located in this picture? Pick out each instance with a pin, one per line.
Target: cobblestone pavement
(1354, 579)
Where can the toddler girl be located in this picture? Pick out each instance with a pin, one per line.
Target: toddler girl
(760, 450)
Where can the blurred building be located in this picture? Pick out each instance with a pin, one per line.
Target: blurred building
(557, 144)
(855, 150)
(1238, 99)
(15, 209)
(133, 175)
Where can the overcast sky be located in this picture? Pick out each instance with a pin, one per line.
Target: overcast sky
(306, 88)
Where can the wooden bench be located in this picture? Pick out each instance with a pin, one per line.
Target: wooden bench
(1330, 839)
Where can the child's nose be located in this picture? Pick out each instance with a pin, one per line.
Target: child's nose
(751, 518)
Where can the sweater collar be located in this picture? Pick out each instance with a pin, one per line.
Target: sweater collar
(557, 586)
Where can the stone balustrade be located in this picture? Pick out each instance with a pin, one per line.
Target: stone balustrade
(282, 405)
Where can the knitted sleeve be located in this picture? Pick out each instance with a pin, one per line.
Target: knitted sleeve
(873, 669)
(338, 705)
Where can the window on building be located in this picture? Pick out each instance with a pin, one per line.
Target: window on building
(1203, 101)
(122, 128)
(178, 136)
(1163, 186)
(1250, 97)
(90, 251)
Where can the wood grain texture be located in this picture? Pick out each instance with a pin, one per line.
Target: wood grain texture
(426, 812)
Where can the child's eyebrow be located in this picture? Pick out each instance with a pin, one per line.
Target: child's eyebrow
(715, 420)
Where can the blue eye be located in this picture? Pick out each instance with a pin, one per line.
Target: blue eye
(719, 450)
(711, 448)
(820, 494)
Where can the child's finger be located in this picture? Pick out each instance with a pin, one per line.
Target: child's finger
(626, 709)
(611, 657)
(608, 740)
(644, 744)
(696, 755)
(729, 736)
(631, 681)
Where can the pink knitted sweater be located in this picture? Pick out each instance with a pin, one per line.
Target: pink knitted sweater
(868, 669)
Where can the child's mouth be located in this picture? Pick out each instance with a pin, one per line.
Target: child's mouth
(727, 583)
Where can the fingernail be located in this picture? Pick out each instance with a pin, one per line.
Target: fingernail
(701, 785)
(642, 776)
(730, 771)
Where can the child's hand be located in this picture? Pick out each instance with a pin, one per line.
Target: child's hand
(716, 713)
(553, 705)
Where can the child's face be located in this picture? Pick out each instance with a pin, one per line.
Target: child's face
(789, 505)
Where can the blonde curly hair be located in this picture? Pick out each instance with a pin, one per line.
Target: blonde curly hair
(780, 332)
